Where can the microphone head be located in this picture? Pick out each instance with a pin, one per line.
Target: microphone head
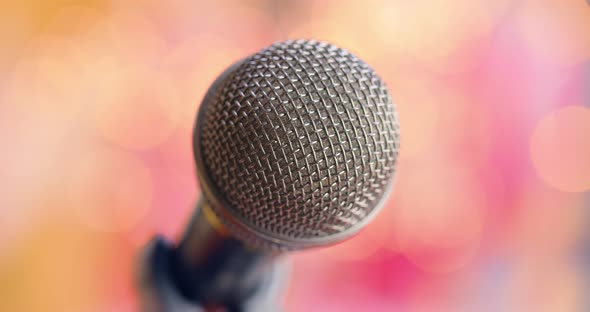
(296, 146)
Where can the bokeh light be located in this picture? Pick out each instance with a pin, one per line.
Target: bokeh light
(556, 31)
(547, 289)
(418, 110)
(549, 224)
(109, 190)
(560, 148)
(125, 77)
(119, 121)
(59, 253)
(441, 231)
(32, 131)
(194, 66)
(426, 34)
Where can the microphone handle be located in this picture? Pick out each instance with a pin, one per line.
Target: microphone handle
(211, 265)
(209, 268)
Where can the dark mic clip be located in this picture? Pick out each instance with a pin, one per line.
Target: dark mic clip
(158, 292)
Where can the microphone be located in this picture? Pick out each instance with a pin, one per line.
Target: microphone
(295, 147)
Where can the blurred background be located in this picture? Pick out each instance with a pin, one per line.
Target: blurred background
(490, 209)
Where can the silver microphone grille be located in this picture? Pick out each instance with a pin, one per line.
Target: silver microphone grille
(299, 141)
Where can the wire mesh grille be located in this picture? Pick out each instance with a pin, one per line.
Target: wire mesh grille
(301, 139)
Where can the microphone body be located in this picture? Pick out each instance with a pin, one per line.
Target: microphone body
(295, 147)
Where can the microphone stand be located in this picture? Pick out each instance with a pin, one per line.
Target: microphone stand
(158, 291)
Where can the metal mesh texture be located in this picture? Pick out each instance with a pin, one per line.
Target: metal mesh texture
(301, 140)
